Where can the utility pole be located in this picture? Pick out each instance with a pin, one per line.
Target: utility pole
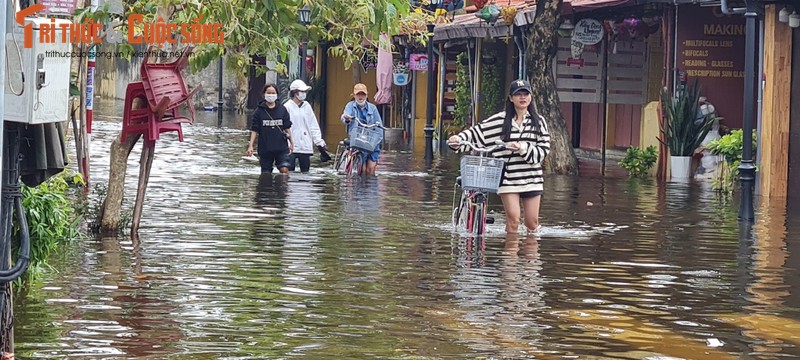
(431, 96)
(3, 13)
(219, 95)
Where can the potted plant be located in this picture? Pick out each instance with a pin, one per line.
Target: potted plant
(400, 73)
(684, 128)
(638, 161)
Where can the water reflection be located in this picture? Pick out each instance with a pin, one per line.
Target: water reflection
(231, 263)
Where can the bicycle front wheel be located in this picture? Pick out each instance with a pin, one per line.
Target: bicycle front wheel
(460, 212)
(477, 216)
(356, 164)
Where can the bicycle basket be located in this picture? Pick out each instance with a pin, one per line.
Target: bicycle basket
(365, 138)
(481, 173)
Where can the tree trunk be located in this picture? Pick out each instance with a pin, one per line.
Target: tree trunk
(112, 205)
(120, 150)
(539, 54)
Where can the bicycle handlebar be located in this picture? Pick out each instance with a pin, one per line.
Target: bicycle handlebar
(497, 145)
(367, 125)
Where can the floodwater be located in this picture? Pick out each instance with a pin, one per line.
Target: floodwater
(234, 265)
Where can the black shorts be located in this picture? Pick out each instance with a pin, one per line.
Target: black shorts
(530, 194)
(279, 158)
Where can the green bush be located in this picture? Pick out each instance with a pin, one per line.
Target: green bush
(730, 147)
(638, 162)
(463, 106)
(491, 96)
(52, 218)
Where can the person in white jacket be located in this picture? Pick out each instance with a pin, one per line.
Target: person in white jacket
(305, 128)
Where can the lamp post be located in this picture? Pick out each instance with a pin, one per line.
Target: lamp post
(219, 92)
(431, 101)
(747, 170)
(305, 19)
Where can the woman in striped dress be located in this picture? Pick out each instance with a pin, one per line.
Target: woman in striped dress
(527, 141)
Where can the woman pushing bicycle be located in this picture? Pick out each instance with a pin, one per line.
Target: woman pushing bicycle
(367, 114)
(527, 143)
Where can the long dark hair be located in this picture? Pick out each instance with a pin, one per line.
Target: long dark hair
(264, 91)
(511, 112)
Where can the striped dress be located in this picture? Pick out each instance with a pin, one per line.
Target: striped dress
(523, 169)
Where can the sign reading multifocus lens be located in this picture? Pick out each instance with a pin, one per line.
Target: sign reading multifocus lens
(588, 32)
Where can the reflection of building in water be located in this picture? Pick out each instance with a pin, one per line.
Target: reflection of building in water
(362, 199)
(300, 251)
(503, 296)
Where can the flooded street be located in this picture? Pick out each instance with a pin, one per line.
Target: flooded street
(234, 265)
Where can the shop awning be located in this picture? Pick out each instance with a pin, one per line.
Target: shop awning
(470, 26)
(571, 6)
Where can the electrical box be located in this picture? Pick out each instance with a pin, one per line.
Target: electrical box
(37, 78)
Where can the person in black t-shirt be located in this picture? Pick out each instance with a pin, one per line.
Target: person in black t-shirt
(271, 124)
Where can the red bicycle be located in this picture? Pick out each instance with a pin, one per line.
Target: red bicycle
(480, 175)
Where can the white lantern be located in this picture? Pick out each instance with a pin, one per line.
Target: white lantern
(783, 15)
(794, 20)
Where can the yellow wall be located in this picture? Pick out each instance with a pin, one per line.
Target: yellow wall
(340, 83)
(648, 132)
(421, 109)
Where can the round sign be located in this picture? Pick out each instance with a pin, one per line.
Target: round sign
(588, 32)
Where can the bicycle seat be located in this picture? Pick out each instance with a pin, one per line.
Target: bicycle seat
(458, 180)
(345, 142)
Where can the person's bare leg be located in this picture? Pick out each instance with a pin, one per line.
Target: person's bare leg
(531, 208)
(511, 207)
(371, 166)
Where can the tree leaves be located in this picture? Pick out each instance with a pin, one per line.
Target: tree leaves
(269, 28)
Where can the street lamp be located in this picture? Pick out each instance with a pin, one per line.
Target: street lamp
(431, 101)
(747, 171)
(305, 19)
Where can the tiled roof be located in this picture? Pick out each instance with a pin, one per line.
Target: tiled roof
(468, 25)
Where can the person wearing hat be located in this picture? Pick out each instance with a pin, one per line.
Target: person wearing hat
(362, 110)
(527, 141)
(305, 128)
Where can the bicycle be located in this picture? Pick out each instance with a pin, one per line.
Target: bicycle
(350, 152)
(480, 175)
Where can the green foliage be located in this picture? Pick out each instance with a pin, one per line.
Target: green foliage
(52, 219)
(638, 162)
(682, 136)
(270, 28)
(491, 91)
(731, 148)
(463, 107)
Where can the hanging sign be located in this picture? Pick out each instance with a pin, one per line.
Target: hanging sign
(588, 32)
(418, 62)
(369, 61)
(59, 7)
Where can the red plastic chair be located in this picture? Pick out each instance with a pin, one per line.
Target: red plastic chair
(144, 121)
(164, 84)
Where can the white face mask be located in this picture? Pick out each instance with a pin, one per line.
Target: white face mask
(361, 102)
(271, 97)
(301, 96)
